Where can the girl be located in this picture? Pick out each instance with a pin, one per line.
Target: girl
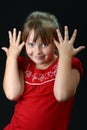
(44, 81)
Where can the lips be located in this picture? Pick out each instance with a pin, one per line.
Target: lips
(39, 57)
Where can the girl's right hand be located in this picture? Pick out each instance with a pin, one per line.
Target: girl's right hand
(15, 46)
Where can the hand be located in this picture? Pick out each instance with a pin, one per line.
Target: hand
(65, 46)
(15, 46)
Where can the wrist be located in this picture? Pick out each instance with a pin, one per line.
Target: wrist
(65, 60)
(11, 58)
(65, 57)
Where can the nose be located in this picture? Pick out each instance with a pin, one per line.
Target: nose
(37, 49)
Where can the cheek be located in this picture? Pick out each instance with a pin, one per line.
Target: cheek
(28, 51)
(50, 50)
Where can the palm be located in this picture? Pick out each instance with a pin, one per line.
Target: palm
(66, 45)
(15, 46)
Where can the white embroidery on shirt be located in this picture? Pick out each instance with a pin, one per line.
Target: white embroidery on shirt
(39, 77)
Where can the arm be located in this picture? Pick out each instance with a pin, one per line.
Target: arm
(13, 82)
(67, 78)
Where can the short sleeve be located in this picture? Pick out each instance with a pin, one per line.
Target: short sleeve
(22, 62)
(76, 63)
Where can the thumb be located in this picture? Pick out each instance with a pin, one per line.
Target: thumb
(5, 49)
(79, 49)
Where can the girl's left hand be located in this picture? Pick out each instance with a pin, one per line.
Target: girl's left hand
(65, 45)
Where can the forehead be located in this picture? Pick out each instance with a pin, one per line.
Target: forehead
(31, 37)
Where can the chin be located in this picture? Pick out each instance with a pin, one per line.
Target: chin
(39, 62)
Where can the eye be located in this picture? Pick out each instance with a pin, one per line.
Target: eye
(44, 45)
(31, 44)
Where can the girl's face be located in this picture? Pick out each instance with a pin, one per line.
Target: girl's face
(42, 54)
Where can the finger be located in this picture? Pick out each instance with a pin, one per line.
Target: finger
(5, 49)
(59, 36)
(10, 37)
(73, 36)
(56, 43)
(18, 37)
(79, 49)
(66, 34)
(21, 45)
(14, 35)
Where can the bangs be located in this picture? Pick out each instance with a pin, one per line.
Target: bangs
(42, 29)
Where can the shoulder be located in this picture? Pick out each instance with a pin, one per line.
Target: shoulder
(23, 62)
(77, 64)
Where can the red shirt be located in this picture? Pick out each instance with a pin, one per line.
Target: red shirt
(37, 109)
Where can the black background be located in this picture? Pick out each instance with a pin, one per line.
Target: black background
(72, 13)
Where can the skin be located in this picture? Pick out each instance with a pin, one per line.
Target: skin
(67, 79)
(42, 54)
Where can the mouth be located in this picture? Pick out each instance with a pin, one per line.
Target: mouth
(39, 57)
